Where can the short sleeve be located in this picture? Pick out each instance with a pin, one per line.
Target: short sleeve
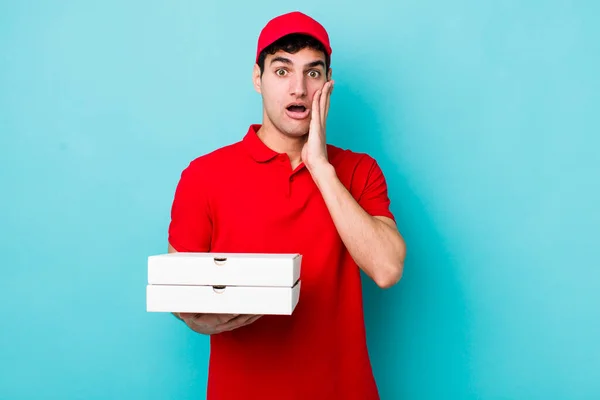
(190, 229)
(374, 197)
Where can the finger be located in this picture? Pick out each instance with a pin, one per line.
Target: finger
(212, 320)
(202, 321)
(238, 322)
(249, 321)
(326, 112)
(223, 318)
(193, 319)
(253, 319)
(241, 319)
(323, 100)
(228, 326)
(315, 117)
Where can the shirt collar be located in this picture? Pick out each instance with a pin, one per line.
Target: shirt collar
(255, 146)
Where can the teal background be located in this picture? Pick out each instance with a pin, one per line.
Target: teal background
(483, 115)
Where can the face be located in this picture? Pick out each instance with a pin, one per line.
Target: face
(287, 86)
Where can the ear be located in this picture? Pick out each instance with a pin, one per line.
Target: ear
(256, 78)
(329, 74)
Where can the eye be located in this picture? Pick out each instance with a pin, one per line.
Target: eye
(314, 74)
(281, 72)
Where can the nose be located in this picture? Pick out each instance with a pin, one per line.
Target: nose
(298, 86)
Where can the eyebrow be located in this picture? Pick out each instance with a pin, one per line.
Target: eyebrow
(316, 64)
(289, 62)
(281, 60)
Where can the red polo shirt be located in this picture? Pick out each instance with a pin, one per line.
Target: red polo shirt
(245, 198)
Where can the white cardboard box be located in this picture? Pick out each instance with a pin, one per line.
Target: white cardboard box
(236, 283)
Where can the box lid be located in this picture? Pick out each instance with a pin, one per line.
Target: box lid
(224, 269)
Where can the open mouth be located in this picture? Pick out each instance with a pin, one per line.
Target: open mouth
(297, 111)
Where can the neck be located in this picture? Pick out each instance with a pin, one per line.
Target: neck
(279, 142)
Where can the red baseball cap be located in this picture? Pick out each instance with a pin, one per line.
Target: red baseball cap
(293, 22)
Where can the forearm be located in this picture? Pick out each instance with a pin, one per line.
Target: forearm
(376, 247)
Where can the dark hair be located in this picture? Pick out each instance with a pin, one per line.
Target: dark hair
(292, 44)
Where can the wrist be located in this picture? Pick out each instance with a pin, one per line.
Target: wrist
(322, 172)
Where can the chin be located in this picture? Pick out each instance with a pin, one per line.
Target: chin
(296, 130)
(295, 133)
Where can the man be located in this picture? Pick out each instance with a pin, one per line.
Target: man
(282, 189)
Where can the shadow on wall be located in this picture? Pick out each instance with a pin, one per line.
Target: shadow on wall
(417, 330)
